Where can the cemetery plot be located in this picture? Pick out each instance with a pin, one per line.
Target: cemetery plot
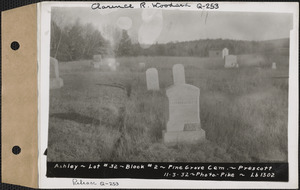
(239, 120)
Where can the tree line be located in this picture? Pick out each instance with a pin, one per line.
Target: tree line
(79, 41)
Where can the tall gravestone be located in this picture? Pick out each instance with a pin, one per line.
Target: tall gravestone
(230, 61)
(152, 79)
(225, 52)
(55, 80)
(178, 74)
(184, 124)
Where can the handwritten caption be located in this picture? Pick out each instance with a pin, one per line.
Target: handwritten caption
(158, 5)
(82, 182)
(194, 171)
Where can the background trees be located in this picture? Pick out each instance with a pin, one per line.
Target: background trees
(77, 41)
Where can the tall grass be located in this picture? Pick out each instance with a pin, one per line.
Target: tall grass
(243, 111)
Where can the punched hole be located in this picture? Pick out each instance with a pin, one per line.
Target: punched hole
(15, 45)
(16, 150)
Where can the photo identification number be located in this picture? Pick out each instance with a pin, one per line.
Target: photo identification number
(102, 183)
(208, 6)
(263, 174)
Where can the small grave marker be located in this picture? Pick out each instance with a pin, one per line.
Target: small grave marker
(225, 52)
(55, 80)
(274, 65)
(230, 61)
(152, 79)
(178, 74)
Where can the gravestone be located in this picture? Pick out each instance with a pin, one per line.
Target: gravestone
(225, 52)
(178, 74)
(230, 61)
(55, 80)
(274, 65)
(184, 115)
(152, 79)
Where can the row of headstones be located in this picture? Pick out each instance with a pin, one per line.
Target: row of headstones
(184, 111)
(153, 81)
(231, 62)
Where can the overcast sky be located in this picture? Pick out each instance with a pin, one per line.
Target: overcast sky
(175, 25)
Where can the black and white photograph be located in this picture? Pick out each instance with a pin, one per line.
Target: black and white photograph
(165, 85)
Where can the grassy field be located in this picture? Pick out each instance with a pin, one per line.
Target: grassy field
(243, 111)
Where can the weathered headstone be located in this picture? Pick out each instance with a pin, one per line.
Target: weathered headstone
(184, 115)
(152, 79)
(274, 65)
(55, 80)
(225, 52)
(230, 61)
(178, 74)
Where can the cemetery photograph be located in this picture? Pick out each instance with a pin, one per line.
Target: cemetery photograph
(159, 85)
